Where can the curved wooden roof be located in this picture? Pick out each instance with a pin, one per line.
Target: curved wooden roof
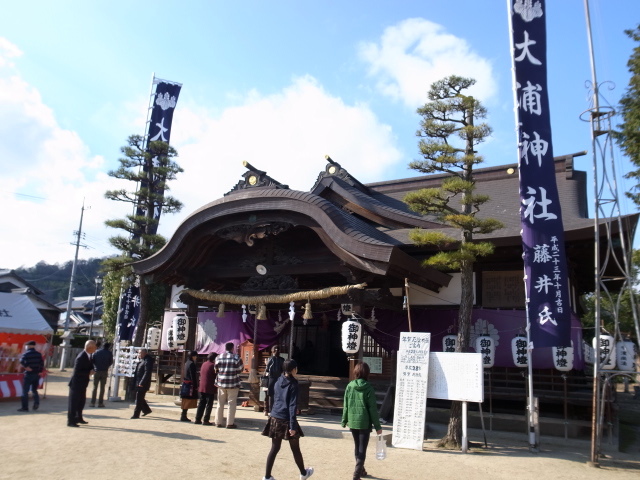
(249, 214)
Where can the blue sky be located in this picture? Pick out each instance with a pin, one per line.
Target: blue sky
(279, 84)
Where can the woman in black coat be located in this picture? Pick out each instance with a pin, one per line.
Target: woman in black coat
(189, 390)
(283, 421)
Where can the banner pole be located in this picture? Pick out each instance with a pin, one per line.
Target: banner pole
(406, 291)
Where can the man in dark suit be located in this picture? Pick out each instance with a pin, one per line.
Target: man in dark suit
(142, 382)
(82, 370)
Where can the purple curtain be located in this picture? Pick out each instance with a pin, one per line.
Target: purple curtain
(502, 325)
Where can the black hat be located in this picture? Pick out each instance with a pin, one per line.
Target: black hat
(31, 343)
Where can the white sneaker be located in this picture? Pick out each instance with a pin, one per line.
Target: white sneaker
(270, 478)
(309, 473)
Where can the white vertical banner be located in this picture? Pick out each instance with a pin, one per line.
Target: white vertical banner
(411, 390)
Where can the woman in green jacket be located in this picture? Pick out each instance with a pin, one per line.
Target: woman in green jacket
(359, 413)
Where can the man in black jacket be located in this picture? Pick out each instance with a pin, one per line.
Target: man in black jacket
(82, 369)
(33, 364)
(102, 360)
(142, 382)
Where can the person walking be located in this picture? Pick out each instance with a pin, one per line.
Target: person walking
(359, 413)
(283, 421)
(207, 390)
(102, 360)
(189, 390)
(82, 369)
(272, 371)
(228, 366)
(142, 382)
(33, 364)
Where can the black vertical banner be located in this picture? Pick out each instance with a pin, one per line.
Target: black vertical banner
(546, 279)
(129, 313)
(159, 130)
(166, 97)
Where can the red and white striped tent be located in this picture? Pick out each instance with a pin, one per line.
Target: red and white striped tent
(20, 322)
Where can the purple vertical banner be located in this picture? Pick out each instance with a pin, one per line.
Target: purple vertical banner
(162, 107)
(164, 104)
(129, 313)
(545, 266)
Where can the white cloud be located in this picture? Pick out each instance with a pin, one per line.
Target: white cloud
(286, 134)
(47, 172)
(413, 54)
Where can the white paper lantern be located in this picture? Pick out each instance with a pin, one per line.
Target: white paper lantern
(347, 308)
(519, 351)
(563, 358)
(171, 339)
(351, 336)
(486, 346)
(153, 338)
(449, 343)
(607, 357)
(625, 352)
(181, 329)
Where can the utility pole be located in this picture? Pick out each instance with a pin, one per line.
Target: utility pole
(66, 336)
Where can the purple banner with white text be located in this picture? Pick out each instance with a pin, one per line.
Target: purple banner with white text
(546, 279)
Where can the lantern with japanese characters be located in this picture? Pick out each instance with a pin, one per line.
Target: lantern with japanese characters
(607, 350)
(563, 358)
(519, 351)
(181, 329)
(625, 352)
(153, 338)
(449, 343)
(351, 336)
(171, 339)
(486, 346)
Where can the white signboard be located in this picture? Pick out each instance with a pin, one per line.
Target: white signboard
(456, 376)
(411, 390)
(125, 361)
(375, 364)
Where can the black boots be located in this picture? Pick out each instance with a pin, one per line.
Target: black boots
(183, 417)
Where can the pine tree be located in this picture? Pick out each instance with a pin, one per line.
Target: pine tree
(149, 169)
(449, 135)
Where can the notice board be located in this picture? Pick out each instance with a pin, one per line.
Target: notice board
(456, 376)
(411, 390)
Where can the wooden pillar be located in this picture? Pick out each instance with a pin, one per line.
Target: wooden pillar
(192, 313)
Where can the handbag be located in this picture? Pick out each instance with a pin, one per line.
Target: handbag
(264, 382)
(381, 448)
(185, 389)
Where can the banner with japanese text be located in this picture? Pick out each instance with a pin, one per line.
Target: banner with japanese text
(162, 107)
(129, 313)
(546, 279)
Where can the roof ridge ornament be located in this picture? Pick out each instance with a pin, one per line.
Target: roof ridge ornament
(254, 178)
(334, 169)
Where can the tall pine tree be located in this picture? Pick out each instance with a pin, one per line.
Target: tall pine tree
(149, 169)
(449, 135)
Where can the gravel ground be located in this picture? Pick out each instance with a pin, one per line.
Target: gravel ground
(112, 446)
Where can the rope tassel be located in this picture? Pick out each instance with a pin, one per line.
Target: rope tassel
(308, 314)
